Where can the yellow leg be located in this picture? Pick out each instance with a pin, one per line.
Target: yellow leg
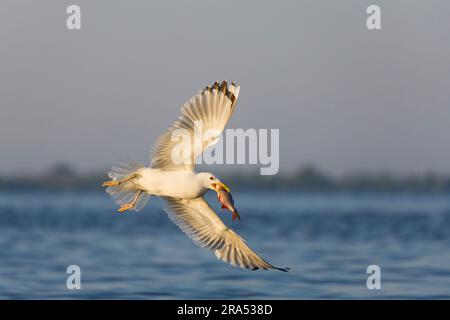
(113, 183)
(131, 205)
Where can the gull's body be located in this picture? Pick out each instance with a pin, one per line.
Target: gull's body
(182, 184)
(171, 176)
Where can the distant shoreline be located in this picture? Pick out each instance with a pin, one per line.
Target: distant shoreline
(305, 179)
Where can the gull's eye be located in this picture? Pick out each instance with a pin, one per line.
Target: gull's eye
(211, 178)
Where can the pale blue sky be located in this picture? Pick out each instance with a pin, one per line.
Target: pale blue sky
(344, 98)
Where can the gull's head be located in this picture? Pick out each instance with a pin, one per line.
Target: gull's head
(210, 181)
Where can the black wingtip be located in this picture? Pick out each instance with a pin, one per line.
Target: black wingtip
(286, 269)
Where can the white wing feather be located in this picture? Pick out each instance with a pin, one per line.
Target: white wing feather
(212, 108)
(198, 221)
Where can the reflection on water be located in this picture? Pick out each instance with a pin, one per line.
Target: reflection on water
(327, 239)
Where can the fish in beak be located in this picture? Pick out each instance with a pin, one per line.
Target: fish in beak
(220, 185)
(225, 199)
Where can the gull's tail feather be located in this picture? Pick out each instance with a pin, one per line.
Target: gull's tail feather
(126, 192)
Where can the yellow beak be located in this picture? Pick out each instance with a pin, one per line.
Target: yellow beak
(218, 185)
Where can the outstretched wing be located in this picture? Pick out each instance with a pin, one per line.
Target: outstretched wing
(202, 120)
(198, 221)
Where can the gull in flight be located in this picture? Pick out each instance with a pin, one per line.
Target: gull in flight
(173, 178)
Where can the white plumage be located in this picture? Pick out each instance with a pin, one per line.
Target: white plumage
(171, 176)
(212, 108)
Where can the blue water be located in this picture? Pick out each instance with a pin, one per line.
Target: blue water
(327, 239)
